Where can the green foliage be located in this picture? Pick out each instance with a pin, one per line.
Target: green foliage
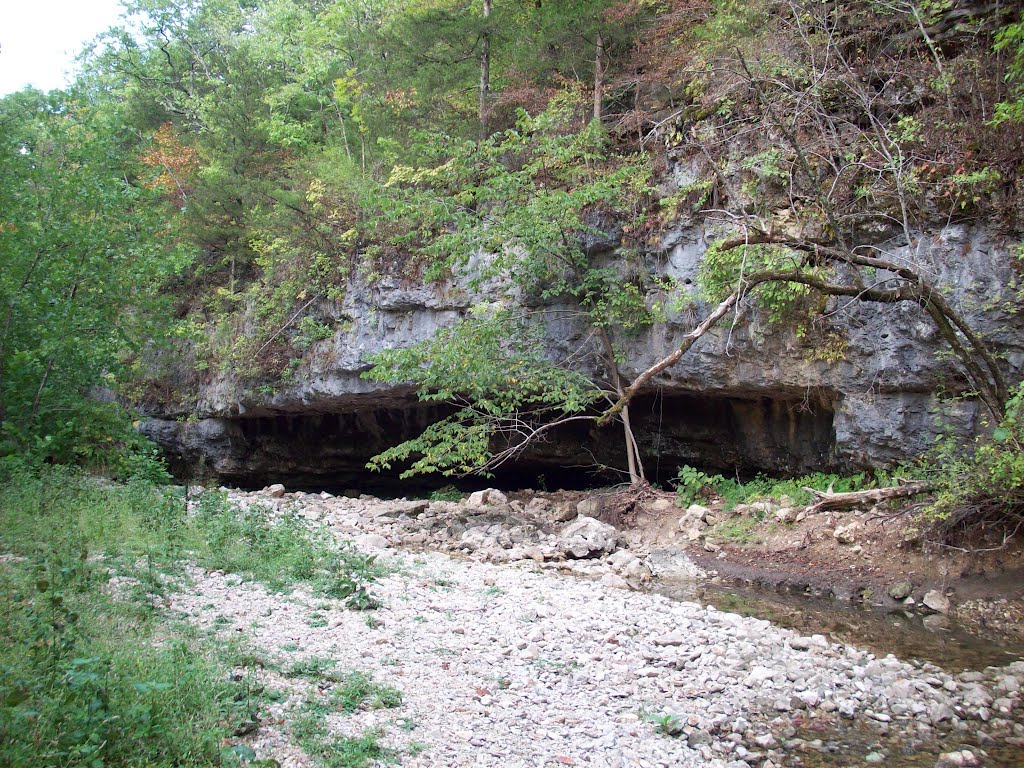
(1010, 40)
(693, 485)
(280, 552)
(85, 254)
(524, 197)
(88, 676)
(690, 482)
(357, 690)
(721, 271)
(448, 493)
(982, 482)
(314, 737)
(738, 530)
(493, 364)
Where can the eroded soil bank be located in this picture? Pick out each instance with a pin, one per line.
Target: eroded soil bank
(522, 632)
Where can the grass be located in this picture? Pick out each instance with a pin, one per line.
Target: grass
(739, 530)
(312, 734)
(314, 668)
(90, 680)
(357, 690)
(693, 485)
(96, 676)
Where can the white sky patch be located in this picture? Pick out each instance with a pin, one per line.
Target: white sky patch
(39, 39)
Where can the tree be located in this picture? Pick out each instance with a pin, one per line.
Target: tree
(844, 162)
(86, 248)
(526, 197)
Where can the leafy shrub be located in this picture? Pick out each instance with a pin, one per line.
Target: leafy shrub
(693, 485)
(87, 679)
(984, 483)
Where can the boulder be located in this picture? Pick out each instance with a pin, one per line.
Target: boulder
(673, 565)
(900, 590)
(371, 541)
(936, 601)
(615, 581)
(963, 759)
(587, 537)
(660, 505)
(697, 513)
(275, 491)
(485, 498)
(590, 507)
(786, 514)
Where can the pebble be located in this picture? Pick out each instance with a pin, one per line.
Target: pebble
(538, 668)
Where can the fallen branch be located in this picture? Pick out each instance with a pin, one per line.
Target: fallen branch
(827, 500)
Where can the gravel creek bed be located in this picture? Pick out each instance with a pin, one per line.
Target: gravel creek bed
(518, 664)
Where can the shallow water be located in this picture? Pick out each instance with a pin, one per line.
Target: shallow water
(935, 638)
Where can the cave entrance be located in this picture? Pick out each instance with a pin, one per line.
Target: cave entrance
(735, 434)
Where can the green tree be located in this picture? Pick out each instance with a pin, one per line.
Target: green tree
(515, 210)
(85, 248)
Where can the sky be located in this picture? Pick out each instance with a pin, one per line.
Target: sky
(39, 39)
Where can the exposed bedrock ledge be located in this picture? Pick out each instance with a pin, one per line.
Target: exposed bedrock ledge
(748, 397)
(728, 432)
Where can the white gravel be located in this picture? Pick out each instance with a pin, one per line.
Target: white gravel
(516, 665)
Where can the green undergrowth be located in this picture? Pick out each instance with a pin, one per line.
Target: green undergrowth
(146, 530)
(358, 690)
(91, 675)
(92, 672)
(695, 486)
(330, 751)
(347, 692)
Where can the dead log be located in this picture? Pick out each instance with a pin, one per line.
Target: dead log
(826, 500)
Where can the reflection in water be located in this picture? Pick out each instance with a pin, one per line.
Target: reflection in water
(935, 638)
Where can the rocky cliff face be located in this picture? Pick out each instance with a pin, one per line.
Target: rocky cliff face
(870, 387)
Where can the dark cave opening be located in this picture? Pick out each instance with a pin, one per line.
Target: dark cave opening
(735, 434)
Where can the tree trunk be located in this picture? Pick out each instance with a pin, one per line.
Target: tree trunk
(485, 70)
(828, 500)
(634, 463)
(598, 76)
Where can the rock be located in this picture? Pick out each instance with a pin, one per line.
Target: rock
(963, 759)
(563, 513)
(786, 514)
(485, 498)
(671, 639)
(697, 513)
(694, 532)
(806, 643)
(590, 507)
(413, 508)
(936, 601)
(697, 738)
(615, 581)
(371, 541)
(939, 712)
(660, 505)
(275, 491)
(900, 591)
(673, 565)
(847, 534)
(1007, 684)
(810, 699)
(586, 537)
(538, 506)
